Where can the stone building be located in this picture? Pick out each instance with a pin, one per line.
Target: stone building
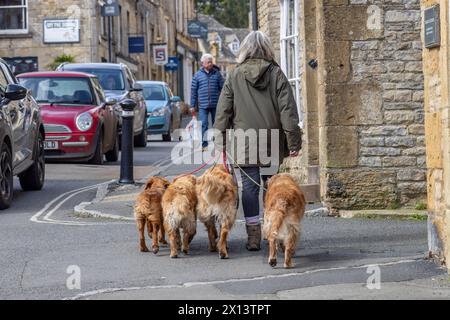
(437, 129)
(22, 36)
(223, 43)
(356, 69)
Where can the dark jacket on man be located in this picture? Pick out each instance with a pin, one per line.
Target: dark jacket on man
(257, 95)
(206, 88)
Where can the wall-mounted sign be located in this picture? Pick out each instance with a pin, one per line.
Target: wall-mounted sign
(432, 27)
(197, 29)
(172, 65)
(61, 31)
(136, 45)
(160, 54)
(110, 8)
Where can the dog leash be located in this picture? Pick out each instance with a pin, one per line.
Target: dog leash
(242, 170)
(215, 158)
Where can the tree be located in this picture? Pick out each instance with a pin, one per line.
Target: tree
(61, 59)
(230, 13)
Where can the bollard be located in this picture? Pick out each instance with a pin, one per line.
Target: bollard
(126, 160)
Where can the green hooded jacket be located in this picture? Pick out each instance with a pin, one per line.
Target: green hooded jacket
(257, 95)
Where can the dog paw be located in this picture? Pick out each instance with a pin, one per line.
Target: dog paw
(186, 252)
(144, 249)
(289, 266)
(155, 250)
(175, 256)
(273, 262)
(223, 255)
(212, 249)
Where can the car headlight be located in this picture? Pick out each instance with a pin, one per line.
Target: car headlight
(158, 112)
(84, 121)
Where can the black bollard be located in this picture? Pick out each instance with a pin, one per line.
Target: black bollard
(126, 161)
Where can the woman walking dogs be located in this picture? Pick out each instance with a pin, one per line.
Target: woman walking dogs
(258, 97)
(206, 87)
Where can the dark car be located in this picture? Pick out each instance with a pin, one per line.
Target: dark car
(21, 138)
(119, 83)
(79, 121)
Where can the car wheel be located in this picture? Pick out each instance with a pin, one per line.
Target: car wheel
(168, 136)
(141, 140)
(113, 155)
(6, 177)
(33, 178)
(98, 155)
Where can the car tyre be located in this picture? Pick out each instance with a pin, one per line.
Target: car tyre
(6, 177)
(167, 137)
(98, 155)
(141, 140)
(33, 178)
(113, 155)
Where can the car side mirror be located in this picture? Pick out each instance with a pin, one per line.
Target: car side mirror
(175, 99)
(15, 92)
(137, 87)
(110, 101)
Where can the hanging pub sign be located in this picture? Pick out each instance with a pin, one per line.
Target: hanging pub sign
(160, 54)
(432, 27)
(61, 31)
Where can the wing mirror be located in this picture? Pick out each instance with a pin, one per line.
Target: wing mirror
(110, 101)
(175, 99)
(137, 87)
(15, 92)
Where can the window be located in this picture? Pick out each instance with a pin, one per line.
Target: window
(290, 49)
(13, 16)
(3, 81)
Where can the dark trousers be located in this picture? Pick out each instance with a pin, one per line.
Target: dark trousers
(203, 115)
(250, 193)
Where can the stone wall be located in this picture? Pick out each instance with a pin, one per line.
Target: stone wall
(437, 132)
(32, 44)
(269, 21)
(371, 118)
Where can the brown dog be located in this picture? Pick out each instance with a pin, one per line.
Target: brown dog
(217, 196)
(179, 203)
(148, 210)
(284, 210)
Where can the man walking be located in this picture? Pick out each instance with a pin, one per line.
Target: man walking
(206, 87)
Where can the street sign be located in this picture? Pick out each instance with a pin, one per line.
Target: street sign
(110, 8)
(160, 54)
(432, 27)
(197, 29)
(172, 65)
(136, 45)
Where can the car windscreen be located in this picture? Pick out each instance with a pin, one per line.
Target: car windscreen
(110, 79)
(155, 93)
(61, 90)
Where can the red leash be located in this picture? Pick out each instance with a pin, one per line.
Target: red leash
(198, 169)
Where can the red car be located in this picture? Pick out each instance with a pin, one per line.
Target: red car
(80, 123)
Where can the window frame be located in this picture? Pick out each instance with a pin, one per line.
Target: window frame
(285, 39)
(25, 30)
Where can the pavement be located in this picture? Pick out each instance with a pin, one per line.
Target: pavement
(378, 255)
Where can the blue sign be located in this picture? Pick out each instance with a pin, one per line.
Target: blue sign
(136, 44)
(172, 65)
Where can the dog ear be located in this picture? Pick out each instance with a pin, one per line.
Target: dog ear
(149, 183)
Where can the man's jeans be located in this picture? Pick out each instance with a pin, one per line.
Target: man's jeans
(203, 115)
(250, 193)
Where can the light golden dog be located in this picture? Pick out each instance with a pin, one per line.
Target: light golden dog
(179, 210)
(217, 196)
(148, 210)
(284, 210)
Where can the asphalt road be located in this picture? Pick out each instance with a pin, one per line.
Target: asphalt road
(37, 258)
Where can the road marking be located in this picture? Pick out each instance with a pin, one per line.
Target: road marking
(215, 282)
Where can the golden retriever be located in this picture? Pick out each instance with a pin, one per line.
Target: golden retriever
(217, 196)
(179, 210)
(284, 210)
(148, 210)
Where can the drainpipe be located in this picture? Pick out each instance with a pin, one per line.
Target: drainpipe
(254, 10)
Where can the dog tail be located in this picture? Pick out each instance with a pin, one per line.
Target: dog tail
(273, 220)
(214, 188)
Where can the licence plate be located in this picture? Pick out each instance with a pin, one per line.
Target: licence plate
(50, 145)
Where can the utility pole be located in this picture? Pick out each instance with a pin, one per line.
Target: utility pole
(110, 39)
